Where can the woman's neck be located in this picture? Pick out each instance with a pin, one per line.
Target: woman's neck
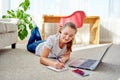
(61, 44)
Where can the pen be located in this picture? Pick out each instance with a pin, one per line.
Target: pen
(59, 60)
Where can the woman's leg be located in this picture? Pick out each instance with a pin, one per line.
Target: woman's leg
(35, 36)
(32, 47)
(34, 40)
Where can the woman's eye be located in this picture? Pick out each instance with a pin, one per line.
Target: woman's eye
(65, 34)
(71, 36)
(68, 34)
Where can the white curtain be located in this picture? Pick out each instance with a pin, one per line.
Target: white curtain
(0, 8)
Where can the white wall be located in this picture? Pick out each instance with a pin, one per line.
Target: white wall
(109, 30)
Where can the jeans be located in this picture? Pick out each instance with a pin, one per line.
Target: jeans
(34, 40)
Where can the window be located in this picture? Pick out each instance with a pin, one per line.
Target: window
(0, 8)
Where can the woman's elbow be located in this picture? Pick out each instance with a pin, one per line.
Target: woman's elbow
(41, 60)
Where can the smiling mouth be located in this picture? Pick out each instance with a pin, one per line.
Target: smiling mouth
(66, 40)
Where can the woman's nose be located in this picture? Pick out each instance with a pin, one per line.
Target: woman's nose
(67, 37)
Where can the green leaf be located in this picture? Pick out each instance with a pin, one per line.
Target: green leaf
(31, 26)
(11, 13)
(21, 26)
(25, 5)
(4, 16)
(26, 15)
(26, 21)
(23, 32)
(21, 36)
(18, 13)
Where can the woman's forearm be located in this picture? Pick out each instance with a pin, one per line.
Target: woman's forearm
(64, 59)
(46, 61)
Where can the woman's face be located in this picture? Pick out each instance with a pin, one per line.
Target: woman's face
(67, 34)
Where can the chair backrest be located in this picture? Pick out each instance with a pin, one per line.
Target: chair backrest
(77, 18)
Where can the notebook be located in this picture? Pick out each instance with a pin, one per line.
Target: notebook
(57, 70)
(88, 64)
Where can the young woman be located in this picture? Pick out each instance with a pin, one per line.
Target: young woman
(56, 46)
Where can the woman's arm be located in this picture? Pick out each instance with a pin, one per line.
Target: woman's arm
(46, 61)
(65, 57)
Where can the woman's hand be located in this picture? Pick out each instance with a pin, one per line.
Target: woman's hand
(59, 65)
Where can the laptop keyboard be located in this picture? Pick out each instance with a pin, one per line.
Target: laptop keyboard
(88, 63)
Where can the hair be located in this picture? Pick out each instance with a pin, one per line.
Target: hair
(73, 26)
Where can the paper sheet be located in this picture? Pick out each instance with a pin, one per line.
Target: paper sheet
(57, 70)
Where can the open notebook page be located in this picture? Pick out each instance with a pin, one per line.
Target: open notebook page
(57, 70)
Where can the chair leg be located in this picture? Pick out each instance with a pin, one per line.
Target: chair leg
(13, 46)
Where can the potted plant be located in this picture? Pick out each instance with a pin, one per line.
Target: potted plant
(25, 20)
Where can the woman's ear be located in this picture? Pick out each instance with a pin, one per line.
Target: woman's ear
(60, 28)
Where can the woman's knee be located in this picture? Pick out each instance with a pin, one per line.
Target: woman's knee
(30, 49)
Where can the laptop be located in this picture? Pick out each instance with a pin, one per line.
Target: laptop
(88, 64)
